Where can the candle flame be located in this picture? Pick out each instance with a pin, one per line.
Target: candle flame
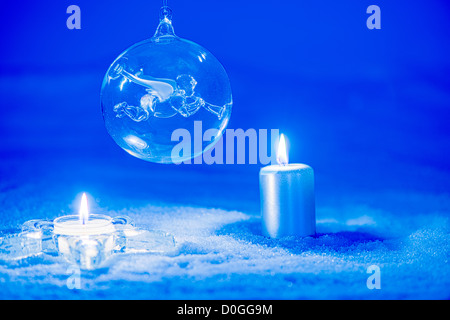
(282, 157)
(84, 211)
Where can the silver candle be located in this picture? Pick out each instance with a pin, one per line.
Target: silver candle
(287, 197)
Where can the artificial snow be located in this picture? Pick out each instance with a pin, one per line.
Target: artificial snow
(221, 254)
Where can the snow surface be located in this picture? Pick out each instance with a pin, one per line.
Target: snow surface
(221, 254)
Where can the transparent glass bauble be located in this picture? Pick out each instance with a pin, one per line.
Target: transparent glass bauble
(160, 85)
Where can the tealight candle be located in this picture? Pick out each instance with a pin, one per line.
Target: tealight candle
(287, 197)
(86, 240)
(84, 224)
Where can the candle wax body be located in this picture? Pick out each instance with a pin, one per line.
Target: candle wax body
(71, 226)
(287, 200)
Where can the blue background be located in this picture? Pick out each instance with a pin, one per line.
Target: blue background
(367, 109)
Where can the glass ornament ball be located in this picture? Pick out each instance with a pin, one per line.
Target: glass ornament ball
(160, 85)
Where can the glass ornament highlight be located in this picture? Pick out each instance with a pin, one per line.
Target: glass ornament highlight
(160, 85)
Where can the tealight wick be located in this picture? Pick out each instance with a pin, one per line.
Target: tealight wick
(282, 157)
(84, 211)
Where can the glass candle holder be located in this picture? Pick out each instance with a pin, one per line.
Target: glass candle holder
(87, 245)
